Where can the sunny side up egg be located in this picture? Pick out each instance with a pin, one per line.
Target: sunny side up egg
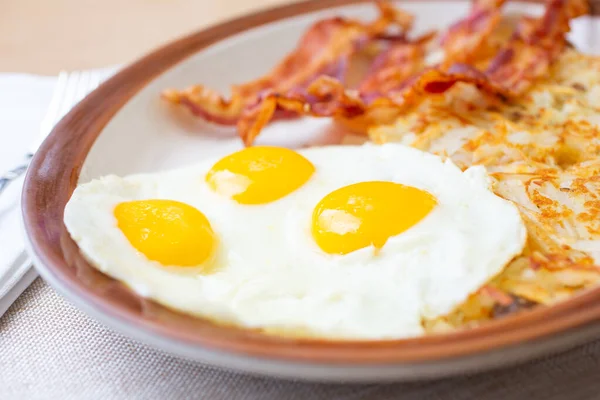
(354, 242)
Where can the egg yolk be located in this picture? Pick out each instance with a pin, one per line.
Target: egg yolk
(170, 232)
(260, 174)
(367, 213)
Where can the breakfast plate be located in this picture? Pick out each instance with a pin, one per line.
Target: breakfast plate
(125, 128)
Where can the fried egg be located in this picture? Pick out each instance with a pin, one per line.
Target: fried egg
(340, 242)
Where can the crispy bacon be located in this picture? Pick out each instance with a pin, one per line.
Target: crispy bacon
(324, 50)
(464, 39)
(398, 62)
(328, 97)
(536, 43)
(325, 97)
(394, 83)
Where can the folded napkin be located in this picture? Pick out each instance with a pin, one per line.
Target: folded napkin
(23, 103)
(15, 271)
(24, 100)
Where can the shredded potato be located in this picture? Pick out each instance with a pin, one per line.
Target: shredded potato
(543, 150)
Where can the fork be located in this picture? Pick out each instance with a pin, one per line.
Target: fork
(71, 87)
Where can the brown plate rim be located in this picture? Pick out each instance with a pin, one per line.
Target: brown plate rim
(54, 172)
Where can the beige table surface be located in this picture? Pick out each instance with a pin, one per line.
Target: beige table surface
(45, 36)
(50, 350)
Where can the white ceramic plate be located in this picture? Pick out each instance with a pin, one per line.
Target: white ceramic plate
(143, 136)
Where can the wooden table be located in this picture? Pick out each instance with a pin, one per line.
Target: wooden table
(45, 36)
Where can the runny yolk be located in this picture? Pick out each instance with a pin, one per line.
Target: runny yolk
(367, 213)
(167, 231)
(260, 174)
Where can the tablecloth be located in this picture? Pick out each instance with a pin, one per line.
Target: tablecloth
(51, 350)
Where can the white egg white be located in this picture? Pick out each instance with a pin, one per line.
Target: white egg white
(271, 274)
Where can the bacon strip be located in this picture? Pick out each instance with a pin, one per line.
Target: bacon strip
(324, 50)
(535, 45)
(325, 97)
(464, 39)
(328, 97)
(395, 64)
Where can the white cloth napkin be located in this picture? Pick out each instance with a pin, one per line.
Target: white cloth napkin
(23, 103)
(24, 100)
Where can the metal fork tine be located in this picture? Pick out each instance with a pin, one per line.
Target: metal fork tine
(82, 86)
(91, 84)
(95, 81)
(55, 102)
(70, 93)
